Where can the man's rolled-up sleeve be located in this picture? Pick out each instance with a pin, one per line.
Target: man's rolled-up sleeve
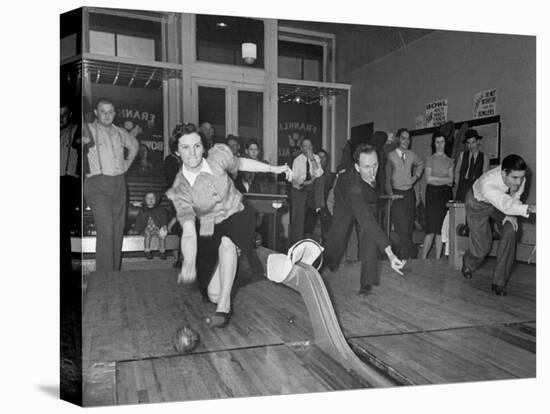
(509, 205)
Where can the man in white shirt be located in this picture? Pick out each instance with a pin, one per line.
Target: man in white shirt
(105, 183)
(496, 194)
(306, 167)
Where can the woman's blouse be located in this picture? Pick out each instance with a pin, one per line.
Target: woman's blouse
(209, 195)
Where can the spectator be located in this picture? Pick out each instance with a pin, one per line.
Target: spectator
(306, 167)
(403, 169)
(152, 221)
(476, 164)
(439, 177)
(105, 185)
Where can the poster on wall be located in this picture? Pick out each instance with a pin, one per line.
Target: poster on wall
(485, 103)
(436, 113)
(139, 111)
(296, 122)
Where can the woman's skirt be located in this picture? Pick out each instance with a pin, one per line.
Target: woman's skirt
(239, 228)
(437, 197)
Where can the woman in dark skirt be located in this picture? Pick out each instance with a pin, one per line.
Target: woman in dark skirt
(439, 177)
(204, 190)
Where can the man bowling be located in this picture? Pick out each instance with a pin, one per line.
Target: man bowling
(356, 199)
(496, 194)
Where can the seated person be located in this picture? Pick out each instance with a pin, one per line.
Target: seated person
(152, 222)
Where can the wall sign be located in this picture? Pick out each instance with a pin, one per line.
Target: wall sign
(436, 113)
(485, 103)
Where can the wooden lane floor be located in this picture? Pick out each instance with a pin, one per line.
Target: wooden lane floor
(264, 370)
(436, 327)
(130, 317)
(481, 353)
(431, 296)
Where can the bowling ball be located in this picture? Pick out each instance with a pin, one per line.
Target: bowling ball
(462, 230)
(185, 339)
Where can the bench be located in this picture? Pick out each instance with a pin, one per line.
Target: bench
(130, 243)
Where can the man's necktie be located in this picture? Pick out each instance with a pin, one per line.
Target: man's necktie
(470, 170)
(403, 157)
(308, 170)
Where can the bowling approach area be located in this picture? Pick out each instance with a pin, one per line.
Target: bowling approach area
(430, 327)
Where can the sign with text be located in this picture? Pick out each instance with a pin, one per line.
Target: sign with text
(138, 111)
(485, 103)
(436, 113)
(296, 122)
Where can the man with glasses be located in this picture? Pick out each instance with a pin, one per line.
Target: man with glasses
(104, 184)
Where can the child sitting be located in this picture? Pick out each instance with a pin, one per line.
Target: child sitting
(152, 222)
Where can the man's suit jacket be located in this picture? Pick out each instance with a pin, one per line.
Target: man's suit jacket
(353, 196)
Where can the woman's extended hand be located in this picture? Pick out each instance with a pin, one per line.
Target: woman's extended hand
(188, 273)
(280, 169)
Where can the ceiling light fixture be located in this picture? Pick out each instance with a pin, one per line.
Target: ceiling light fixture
(249, 52)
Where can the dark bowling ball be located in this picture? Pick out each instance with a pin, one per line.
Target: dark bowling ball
(462, 230)
(185, 340)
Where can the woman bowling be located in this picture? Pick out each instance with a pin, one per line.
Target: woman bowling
(203, 189)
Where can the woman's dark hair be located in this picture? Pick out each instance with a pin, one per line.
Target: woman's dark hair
(173, 143)
(363, 149)
(252, 141)
(436, 135)
(513, 162)
(185, 128)
(179, 130)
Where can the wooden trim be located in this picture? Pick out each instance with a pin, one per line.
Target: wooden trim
(129, 61)
(304, 32)
(132, 243)
(471, 123)
(111, 12)
(314, 83)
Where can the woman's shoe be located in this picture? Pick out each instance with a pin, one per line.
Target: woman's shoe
(219, 319)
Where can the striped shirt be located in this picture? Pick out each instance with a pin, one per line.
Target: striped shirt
(107, 155)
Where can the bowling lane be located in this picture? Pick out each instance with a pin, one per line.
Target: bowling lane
(484, 353)
(133, 315)
(267, 370)
(431, 296)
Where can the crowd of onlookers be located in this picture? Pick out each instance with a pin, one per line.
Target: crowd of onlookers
(310, 192)
(206, 178)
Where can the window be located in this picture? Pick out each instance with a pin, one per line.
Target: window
(300, 61)
(220, 39)
(135, 38)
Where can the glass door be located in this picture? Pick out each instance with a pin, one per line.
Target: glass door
(232, 108)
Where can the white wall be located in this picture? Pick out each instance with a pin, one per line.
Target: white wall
(394, 90)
